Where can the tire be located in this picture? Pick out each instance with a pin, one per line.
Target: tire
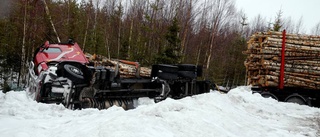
(199, 71)
(187, 74)
(187, 67)
(296, 99)
(75, 74)
(167, 68)
(164, 71)
(167, 76)
(268, 95)
(187, 71)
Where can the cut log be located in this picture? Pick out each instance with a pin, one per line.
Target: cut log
(126, 68)
(302, 60)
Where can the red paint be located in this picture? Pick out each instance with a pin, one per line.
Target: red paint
(281, 78)
(59, 53)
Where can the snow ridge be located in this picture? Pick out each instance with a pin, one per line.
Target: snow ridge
(236, 114)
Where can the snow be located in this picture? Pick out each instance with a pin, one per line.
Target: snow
(236, 114)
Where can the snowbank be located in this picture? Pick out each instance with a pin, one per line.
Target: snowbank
(236, 114)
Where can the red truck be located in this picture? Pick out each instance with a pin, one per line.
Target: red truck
(61, 73)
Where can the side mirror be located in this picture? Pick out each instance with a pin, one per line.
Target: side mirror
(70, 41)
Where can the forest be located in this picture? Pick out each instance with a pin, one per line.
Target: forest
(211, 33)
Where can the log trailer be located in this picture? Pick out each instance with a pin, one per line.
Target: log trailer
(61, 73)
(285, 67)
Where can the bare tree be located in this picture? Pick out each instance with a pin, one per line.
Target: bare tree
(299, 26)
(50, 19)
(23, 49)
(289, 25)
(258, 24)
(222, 11)
(316, 29)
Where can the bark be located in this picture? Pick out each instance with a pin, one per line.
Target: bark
(127, 69)
(302, 63)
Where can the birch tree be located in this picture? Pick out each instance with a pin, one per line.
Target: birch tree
(50, 19)
(299, 28)
(222, 11)
(316, 29)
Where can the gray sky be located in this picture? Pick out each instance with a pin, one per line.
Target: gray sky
(308, 9)
(4, 8)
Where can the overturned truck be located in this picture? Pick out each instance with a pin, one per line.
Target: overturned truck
(62, 73)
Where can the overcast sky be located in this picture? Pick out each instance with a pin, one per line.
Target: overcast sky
(308, 9)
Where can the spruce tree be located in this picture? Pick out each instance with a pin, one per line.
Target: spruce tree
(278, 24)
(170, 54)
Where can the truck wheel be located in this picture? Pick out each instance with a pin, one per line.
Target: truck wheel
(295, 98)
(187, 71)
(268, 95)
(187, 67)
(167, 76)
(164, 71)
(187, 74)
(166, 68)
(73, 73)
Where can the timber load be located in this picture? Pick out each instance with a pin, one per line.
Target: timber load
(127, 69)
(301, 67)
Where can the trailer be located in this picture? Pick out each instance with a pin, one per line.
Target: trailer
(61, 73)
(285, 66)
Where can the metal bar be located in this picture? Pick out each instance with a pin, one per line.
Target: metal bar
(281, 77)
(128, 90)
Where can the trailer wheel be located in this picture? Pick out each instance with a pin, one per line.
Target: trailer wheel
(187, 74)
(187, 67)
(166, 68)
(167, 76)
(165, 71)
(269, 95)
(296, 98)
(187, 71)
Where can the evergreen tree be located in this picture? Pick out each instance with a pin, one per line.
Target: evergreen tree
(170, 53)
(278, 23)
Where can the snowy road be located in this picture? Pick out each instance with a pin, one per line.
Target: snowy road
(236, 114)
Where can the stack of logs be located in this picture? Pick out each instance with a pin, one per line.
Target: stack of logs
(302, 60)
(127, 69)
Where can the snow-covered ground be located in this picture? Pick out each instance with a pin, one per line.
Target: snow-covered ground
(236, 114)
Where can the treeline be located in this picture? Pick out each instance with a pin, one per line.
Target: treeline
(211, 33)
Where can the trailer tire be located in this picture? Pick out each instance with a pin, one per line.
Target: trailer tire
(296, 98)
(167, 76)
(187, 67)
(199, 71)
(167, 68)
(187, 74)
(164, 71)
(268, 95)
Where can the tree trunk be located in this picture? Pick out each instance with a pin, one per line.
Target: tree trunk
(86, 33)
(50, 19)
(23, 49)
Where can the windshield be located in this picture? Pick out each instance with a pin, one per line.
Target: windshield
(52, 50)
